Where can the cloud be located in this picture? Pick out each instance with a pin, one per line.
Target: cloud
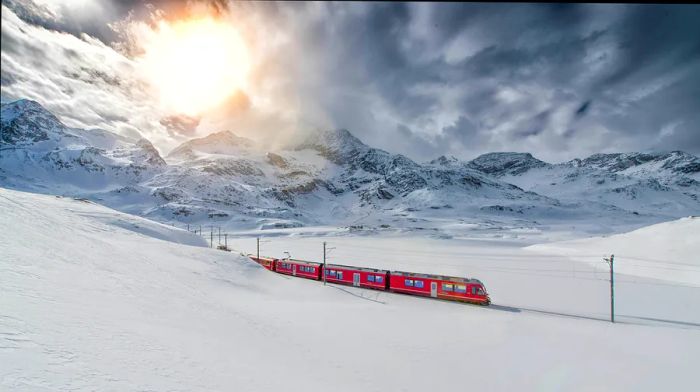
(560, 81)
(180, 124)
(82, 80)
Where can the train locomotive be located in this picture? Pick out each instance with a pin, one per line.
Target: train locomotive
(450, 288)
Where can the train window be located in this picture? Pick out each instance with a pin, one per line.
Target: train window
(460, 288)
(340, 274)
(370, 278)
(447, 287)
(409, 282)
(419, 284)
(474, 290)
(481, 291)
(380, 279)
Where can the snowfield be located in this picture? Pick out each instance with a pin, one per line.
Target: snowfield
(668, 251)
(94, 299)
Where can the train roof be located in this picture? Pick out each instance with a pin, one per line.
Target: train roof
(366, 269)
(440, 277)
(299, 262)
(262, 257)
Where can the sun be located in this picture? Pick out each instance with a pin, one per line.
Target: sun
(194, 65)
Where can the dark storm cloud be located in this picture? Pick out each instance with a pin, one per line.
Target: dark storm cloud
(427, 79)
(655, 38)
(581, 111)
(527, 74)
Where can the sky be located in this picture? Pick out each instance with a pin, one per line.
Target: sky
(560, 81)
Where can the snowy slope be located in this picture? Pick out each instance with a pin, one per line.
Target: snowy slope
(667, 251)
(87, 304)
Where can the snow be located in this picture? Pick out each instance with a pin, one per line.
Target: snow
(95, 299)
(667, 251)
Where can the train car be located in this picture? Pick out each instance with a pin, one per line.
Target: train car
(438, 286)
(357, 276)
(300, 268)
(266, 262)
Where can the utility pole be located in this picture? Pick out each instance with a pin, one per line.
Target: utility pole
(188, 227)
(258, 246)
(325, 258)
(219, 235)
(226, 240)
(211, 238)
(611, 262)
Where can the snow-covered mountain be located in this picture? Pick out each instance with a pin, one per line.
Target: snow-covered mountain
(38, 152)
(665, 183)
(332, 177)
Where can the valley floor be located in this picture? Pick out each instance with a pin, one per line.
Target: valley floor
(94, 299)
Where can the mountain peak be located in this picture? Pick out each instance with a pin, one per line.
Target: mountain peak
(337, 145)
(222, 142)
(676, 161)
(149, 154)
(226, 137)
(341, 138)
(26, 122)
(444, 161)
(503, 163)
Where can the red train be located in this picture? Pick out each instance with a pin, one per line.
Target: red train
(434, 286)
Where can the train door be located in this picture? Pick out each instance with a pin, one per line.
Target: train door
(294, 269)
(433, 289)
(356, 279)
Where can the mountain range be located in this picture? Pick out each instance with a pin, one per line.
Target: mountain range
(333, 178)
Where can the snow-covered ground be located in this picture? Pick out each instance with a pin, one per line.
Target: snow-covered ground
(94, 299)
(668, 251)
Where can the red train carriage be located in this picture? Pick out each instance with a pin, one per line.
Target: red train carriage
(267, 262)
(303, 269)
(437, 286)
(357, 276)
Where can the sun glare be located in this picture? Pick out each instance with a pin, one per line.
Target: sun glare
(195, 65)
